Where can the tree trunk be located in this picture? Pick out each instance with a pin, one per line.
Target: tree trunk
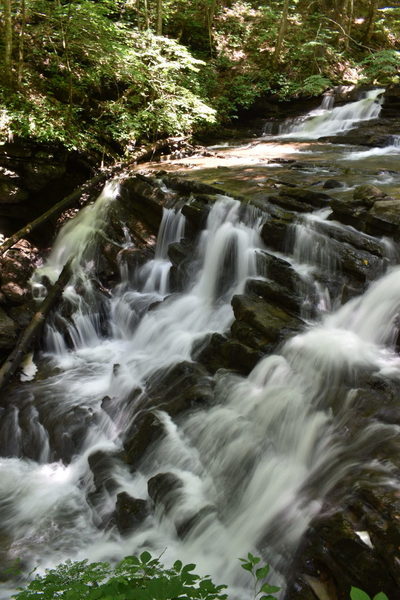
(21, 42)
(349, 22)
(281, 34)
(32, 331)
(371, 19)
(8, 41)
(146, 14)
(159, 17)
(211, 9)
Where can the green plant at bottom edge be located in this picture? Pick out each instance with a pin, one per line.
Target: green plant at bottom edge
(357, 594)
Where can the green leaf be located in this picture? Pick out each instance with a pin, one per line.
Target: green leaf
(247, 567)
(269, 589)
(178, 565)
(253, 559)
(380, 596)
(145, 557)
(357, 594)
(262, 572)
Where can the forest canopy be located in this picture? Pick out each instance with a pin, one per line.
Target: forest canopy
(108, 74)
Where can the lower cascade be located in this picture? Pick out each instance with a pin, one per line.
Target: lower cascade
(208, 402)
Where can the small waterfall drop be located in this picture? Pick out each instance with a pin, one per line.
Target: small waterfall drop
(331, 121)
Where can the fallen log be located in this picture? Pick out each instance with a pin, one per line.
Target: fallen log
(142, 155)
(56, 209)
(27, 338)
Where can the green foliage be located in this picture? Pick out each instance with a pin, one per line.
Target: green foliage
(145, 578)
(90, 81)
(262, 589)
(357, 594)
(382, 67)
(133, 578)
(312, 86)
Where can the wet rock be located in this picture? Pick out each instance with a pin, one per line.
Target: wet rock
(335, 555)
(355, 238)
(309, 197)
(129, 513)
(143, 197)
(102, 465)
(164, 489)
(277, 294)
(184, 386)
(270, 323)
(218, 352)
(384, 217)
(14, 293)
(8, 331)
(180, 255)
(331, 184)
(378, 512)
(41, 170)
(285, 201)
(188, 525)
(353, 210)
(67, 431)
(367, 194)
(358, 263)
(145, 430)
(10, 193)
(275, 230)
(190, 186)
(196, 213)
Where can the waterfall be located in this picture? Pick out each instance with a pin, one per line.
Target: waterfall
(247, 463)
(327, 121)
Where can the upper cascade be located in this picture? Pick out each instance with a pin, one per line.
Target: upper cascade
(326, 120)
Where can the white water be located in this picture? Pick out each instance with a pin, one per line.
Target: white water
(331, 121)
(393, 148)
(258, 461)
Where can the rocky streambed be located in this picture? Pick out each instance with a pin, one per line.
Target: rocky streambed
(301, 384)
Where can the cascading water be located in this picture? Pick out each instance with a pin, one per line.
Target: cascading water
(163, 337)
(331, 121)
(255, 464)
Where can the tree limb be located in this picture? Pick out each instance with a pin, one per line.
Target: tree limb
(27, 338)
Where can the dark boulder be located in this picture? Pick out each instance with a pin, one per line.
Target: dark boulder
(196, 212)
(129, 513)
(277, 294)
(270, 323)
(145, 430)
(275, 230)
(333, 558)
(181, 387)
(219, 352)
(331, 184)
(164, 489)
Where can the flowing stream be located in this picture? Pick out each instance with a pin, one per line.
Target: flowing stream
(257, 462)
